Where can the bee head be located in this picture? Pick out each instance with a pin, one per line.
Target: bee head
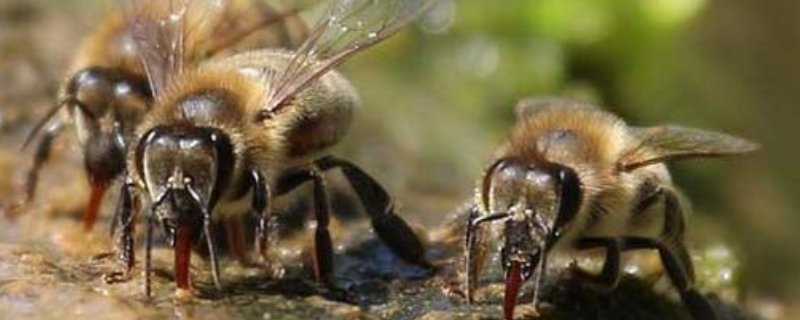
(536, 201)
(105, 105)
(102, 100)
(185, 170)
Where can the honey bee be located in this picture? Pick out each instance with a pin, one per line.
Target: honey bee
(107, 91)
(573, 177)
(232, 133)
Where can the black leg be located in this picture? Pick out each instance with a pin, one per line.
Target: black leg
(391, 229)
(609, 276)
(261, 203)
(212, 252)
(124, 220)
(43, 152)
(125, 213)
(210, 243)
(475, 250)
(540, 274)
(323, 247)
(148, 250)
(675, 257)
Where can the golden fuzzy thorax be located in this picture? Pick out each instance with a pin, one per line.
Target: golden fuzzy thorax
(255, 143)
(591, 142)
(603, 135)
(107, 47)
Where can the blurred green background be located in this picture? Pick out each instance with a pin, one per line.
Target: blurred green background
(439, 99)
(447, 92)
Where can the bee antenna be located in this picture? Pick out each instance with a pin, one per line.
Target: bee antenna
(41, 124)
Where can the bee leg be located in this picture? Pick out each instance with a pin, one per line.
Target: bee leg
(476, 247)
(676, 263)
(126, 210)
(148, 250)
(323, 247)
(260, 205)
(391, 229)
(124, 218)
(609, 276)
(675, 258)
(212, 251)
(43, 151)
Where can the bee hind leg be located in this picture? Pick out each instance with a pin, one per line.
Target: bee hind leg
(391, 229)
(675, 258)
(608, 278)
(323, 247)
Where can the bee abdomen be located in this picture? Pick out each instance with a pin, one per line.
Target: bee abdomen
(318, 131)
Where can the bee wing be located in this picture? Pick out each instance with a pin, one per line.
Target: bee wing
(254, 24)
(667, 143)
(163, 30)
(346, 28)
(531, 107)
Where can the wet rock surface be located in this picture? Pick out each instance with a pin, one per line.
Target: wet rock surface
(41, 280)
(50, 268)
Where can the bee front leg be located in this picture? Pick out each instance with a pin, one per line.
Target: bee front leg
(475, 248)
(150, 217)
(609, 276)
(124, 219)
(261, 204)
(391, 229)
(43, 151)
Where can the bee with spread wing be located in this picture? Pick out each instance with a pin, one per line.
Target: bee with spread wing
(249, 127)
(572, 177)
(107, 92)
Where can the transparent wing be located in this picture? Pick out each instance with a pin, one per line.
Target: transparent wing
(666, 143)
(162, 30)
(530, 107)
(255, 24)
(346, 28)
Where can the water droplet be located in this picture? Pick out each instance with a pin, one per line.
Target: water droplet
(480, 57)
(439, 18)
